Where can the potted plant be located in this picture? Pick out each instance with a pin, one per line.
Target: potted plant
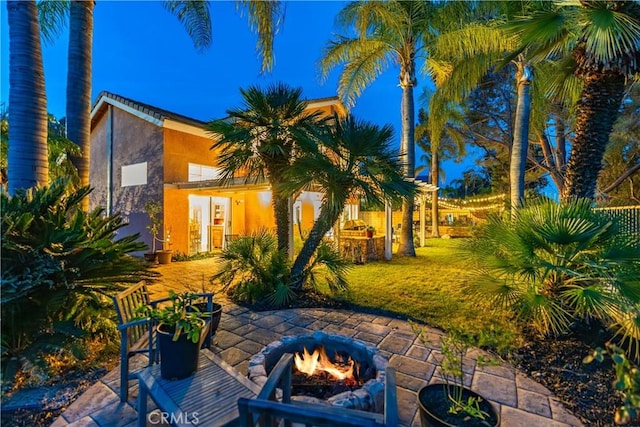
(369, 231)
(450, 404)
(153, 210)
(179, 328)
(201, 304)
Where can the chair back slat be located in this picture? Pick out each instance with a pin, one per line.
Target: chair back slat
(126, 303)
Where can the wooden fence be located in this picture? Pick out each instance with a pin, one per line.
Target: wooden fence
(628, 218)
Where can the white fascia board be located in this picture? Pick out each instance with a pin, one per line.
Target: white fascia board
(124, 107)
(183, 127)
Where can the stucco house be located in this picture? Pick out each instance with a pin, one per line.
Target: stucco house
(141, 153)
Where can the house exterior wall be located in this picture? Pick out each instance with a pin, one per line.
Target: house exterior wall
(133, 141)
(182, 148)
(98, 164)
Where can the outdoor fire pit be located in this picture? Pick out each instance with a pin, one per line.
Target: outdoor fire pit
(329, 369)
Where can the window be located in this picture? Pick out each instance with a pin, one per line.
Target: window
(134, 174)
(203, 173)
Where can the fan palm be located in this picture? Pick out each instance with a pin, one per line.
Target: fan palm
(354, 157)
(602, 40)
(556, 264)
(27, 159)
(387, 33)
(262, 138)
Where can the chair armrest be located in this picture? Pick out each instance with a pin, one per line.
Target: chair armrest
(390, 398)
(282, 371)
(123, 327)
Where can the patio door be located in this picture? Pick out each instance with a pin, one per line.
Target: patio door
(209, 222)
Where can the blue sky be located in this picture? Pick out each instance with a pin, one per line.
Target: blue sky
(142, 52)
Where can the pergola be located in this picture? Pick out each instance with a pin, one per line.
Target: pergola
(424, 188)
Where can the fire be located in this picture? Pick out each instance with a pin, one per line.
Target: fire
(318, 361)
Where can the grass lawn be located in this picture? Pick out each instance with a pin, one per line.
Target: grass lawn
(429, 288)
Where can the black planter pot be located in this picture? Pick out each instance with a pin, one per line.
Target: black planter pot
(178, 359)
(216, 314)
(434, 403)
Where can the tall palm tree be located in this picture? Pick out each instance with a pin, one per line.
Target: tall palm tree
(451, 146)
(353, 157)
(79, 85)
(462, 56)
(386, 33)
(262, 138)
(264, 19)
(27, 153)
(602, 39)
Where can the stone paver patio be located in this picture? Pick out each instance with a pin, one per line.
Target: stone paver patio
(243, 333)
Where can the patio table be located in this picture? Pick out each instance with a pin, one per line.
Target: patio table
(207, 398)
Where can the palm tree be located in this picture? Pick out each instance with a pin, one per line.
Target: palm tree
(387, 33)
(262, 138)
(353, 157)
(462, 56)
(602, 39)
(79, 85)
(451, 146)
(263, 17)
(27, 153)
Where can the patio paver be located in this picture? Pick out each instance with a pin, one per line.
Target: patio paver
(242, 333)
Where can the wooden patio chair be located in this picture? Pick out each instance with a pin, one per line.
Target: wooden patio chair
(137, 336)
(266, 411)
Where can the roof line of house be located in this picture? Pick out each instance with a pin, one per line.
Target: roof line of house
(157, 115)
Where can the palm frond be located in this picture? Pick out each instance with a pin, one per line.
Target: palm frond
(53, 16)
(265, 18)
(194, 15)
(364, 59)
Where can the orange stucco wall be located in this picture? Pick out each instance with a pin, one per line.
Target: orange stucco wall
(180, 149)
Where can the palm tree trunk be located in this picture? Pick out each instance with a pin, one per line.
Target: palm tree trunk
(520, 145)
(317, 233)
(435, 177)
(27, 155)
(281, 212)
(596, 112)
(79, 85)
(407, 147)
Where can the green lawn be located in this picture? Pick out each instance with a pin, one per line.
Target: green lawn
(429, 288)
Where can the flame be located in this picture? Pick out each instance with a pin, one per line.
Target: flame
(318, 361)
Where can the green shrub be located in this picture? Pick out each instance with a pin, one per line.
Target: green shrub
(254, 268)
(256, 271)
(554, 265)
(60, 265)
(627, 382)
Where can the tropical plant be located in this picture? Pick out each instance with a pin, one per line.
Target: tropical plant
(261, 139)
(460, 59)
(179, 316)
(599, 42)
(454, 346)
(451, 146)
(556, 265)
(28, 164)
(386, 33)
(254, 268)
(153, 210)
(79, 85)
(627, 381)
(61, 264)
(59, 149)
(352, 157)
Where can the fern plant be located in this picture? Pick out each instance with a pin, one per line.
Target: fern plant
(554, 265)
